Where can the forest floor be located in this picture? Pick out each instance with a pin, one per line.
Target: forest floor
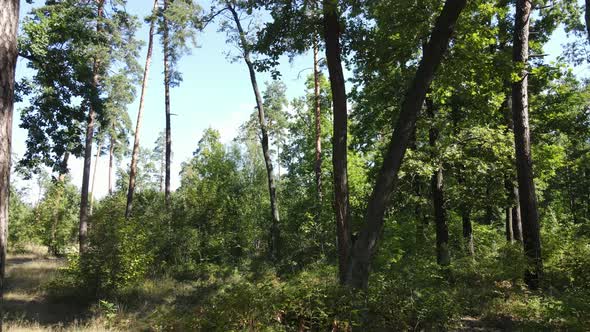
(26, 305)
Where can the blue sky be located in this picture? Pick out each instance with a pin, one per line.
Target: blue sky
(214, 93)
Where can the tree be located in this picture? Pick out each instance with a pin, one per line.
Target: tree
(135, 152)
(443, 256)
(147, 173)
(159, 155)
(8, 57)
(179, 21)
(364, 248)
(332, 32)
(246, 54)
(99, 49)
(522, 139)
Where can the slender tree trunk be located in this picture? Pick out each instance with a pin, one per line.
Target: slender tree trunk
(438, 200)
(587, 17)
(83, 231)
(144, 83)
(516, 220)
(339, 141)
(167, 104)
(318, 128)
(365, 246)
(272, 189)
(508, 225)
(162, 170)
(96, 158)
(111, 160)
(57, 213)
(8, 56)
(511, 188)
(467, 230)
(524, 161)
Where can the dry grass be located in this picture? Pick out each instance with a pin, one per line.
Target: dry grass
(95, 325)
(26, 305)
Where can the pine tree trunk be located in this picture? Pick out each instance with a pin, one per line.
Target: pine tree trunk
(144, 83)
(524, 162)
(339, 141)
(365, 246)
(167, 106)
(587, 17)
(436, 182)
(318, 129)
(84, 212)
(274, 231)
(111, 160)
(96, 158)
(8, 56)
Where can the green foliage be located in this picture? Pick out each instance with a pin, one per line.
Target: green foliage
(57, 216)
(117, 254)
(22, 229)
(69, 47)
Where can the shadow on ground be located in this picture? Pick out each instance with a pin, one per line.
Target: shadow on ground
(25, 301)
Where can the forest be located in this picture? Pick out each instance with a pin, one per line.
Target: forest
(429, 169)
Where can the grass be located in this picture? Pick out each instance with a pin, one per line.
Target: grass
(27, 306)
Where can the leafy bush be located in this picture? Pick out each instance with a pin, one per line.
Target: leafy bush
(118, 251)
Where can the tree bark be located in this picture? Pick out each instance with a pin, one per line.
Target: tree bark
(508, 225)
(272, 189)
(96, 158)
(8, 56)
(84, 211)
(467, 230)
(587, 17)
(443, 256)
(144, 83)
(339, 141)
(365, 246)
(318, 129)
(167, 106)
(524, 162)
(111, 157)
(516, 220)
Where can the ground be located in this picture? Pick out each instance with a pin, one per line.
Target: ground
(28, 308)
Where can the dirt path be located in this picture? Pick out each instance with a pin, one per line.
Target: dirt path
(27, 307)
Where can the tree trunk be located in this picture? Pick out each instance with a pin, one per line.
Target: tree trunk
(64, 167)
(508, 225)
(438, 200)
(467, 230)
(524, 162)
(272, 189)
(587, 17)
(516, 220)
(8, 56)
(318, 129)
(167, 104)
(339, 141)
(111, 157)
(144, 83)
(365, 246)
(57, 213)
(83, 231)
(96, 158)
